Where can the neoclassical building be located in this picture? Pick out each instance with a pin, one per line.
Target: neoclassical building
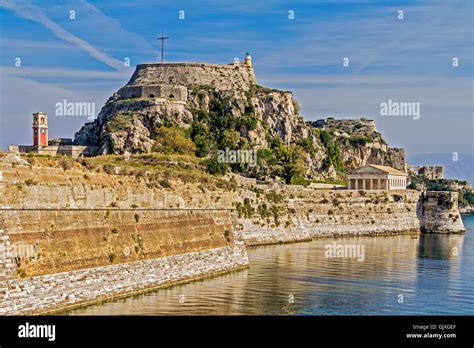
(375, 177)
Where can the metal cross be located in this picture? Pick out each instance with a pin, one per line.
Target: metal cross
(162, 38)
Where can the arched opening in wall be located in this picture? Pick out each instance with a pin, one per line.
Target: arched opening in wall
(171, 96)
(151, 96)
(42, 120)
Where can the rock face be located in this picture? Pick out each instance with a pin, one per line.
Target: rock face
(361, 143)
(173, 92)
(181, 93)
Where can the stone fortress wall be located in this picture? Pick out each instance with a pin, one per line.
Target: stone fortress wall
(86, 256)
(73, 151)
(429, 171)
(351, 126)
(237, 76)
(153, 91)
(68, 240)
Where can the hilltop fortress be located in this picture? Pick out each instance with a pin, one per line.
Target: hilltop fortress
(172, 80)
(188, 94)
(166, 76)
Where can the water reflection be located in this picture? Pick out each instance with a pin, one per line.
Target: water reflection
(298, 279)
(440, 246)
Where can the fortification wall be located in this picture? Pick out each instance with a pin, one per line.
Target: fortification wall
(154, 91)
(65, 240)
(431, 172)
(68, 238)
(440, 212)
(304, 214)
(54, 241)
(54, 188)
(52, 259)
(220, 76)
(43, 294)
(73, 151)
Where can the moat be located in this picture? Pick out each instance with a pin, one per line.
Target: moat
(400, 275)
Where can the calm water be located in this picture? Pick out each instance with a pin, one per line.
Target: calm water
(424, 269)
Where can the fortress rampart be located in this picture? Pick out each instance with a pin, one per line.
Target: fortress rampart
(154, 91)
(220, 76)
(67, 239)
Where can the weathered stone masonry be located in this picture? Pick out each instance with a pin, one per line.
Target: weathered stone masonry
(74, 250)
(46, 293)
(112, 254)
(110, 235)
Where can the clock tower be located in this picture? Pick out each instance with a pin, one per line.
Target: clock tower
(40, 129)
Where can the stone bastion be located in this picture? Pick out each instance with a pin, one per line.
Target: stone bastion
(234, 76)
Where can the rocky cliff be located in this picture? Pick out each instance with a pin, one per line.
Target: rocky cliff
(221, 106)
(361, 143)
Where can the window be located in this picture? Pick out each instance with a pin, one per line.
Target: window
(42, 120)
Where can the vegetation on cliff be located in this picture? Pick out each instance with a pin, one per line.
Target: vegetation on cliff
(260, 118)
(463, 188)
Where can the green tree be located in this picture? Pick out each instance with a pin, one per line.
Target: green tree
(230, 139)
(333, 151)
(216, 167)
(202, 137)
(173, 140)
(289, 161)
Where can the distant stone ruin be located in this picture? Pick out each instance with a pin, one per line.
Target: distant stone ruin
(430, 172)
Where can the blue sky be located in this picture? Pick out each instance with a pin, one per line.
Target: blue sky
(407, 60)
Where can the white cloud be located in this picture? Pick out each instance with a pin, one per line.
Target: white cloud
(29, 11)
(30, 72)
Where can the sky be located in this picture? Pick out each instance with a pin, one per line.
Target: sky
(49, 54)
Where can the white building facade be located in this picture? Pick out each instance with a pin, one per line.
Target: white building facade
(375, 177)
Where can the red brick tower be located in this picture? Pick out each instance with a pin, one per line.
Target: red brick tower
(40, 129)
